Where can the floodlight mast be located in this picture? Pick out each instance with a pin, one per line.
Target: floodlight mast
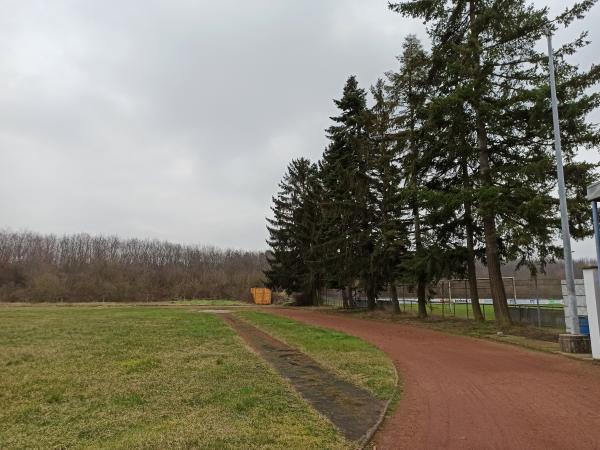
(564, 215)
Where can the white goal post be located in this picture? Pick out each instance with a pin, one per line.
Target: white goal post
(465, 281)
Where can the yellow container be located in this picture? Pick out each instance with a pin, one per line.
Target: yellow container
(261, 296)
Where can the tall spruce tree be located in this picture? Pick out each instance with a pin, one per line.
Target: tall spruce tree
(453, 159)
(347, 241)
(408, 91)
(293, 232)
(489, 50)
(391, 233)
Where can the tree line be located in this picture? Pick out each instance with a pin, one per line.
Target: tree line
(448, 162)
(81, 268)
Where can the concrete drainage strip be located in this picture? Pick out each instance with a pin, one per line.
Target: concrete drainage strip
(353, 410)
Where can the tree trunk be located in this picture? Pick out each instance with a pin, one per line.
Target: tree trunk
(315, 301)
(489, 221)
(494, 270)
(414, 151)
(472, 276)
(471, 272)
(345, 302)
(394, 295)
(310, 289)
(422, 299)
(371, 283)
(421, 284)
(491, 242)
(371, 296)
(350, 296)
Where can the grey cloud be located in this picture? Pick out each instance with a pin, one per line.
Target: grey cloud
(174, 119)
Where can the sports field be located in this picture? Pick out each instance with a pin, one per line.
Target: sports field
(145, 377)
(464, 310)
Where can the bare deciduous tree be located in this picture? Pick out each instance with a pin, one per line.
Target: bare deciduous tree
(81, 267)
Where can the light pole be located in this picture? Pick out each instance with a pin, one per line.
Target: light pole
(564, 215)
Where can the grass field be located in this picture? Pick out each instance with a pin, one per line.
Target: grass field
(152, 378)
(350, 357)
(459, 310)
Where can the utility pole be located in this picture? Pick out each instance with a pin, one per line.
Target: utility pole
(562, 195)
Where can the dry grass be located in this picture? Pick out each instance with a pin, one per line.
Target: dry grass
(143, 378)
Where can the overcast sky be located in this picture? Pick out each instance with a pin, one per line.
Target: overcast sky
(175, 119)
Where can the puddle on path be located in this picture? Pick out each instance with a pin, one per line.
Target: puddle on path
(355, 411)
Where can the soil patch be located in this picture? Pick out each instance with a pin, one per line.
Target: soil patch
(355, 411)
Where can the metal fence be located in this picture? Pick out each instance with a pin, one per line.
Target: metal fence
(538, 304)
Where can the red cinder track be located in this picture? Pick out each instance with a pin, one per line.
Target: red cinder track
(466, 393)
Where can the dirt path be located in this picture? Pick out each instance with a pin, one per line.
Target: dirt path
(355, 411)
(466, 393)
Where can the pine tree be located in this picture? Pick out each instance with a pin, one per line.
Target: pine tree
(489, 51)
(408, 90)
(346, 239)
(390, 230)
(453, 159)
(293, 232)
